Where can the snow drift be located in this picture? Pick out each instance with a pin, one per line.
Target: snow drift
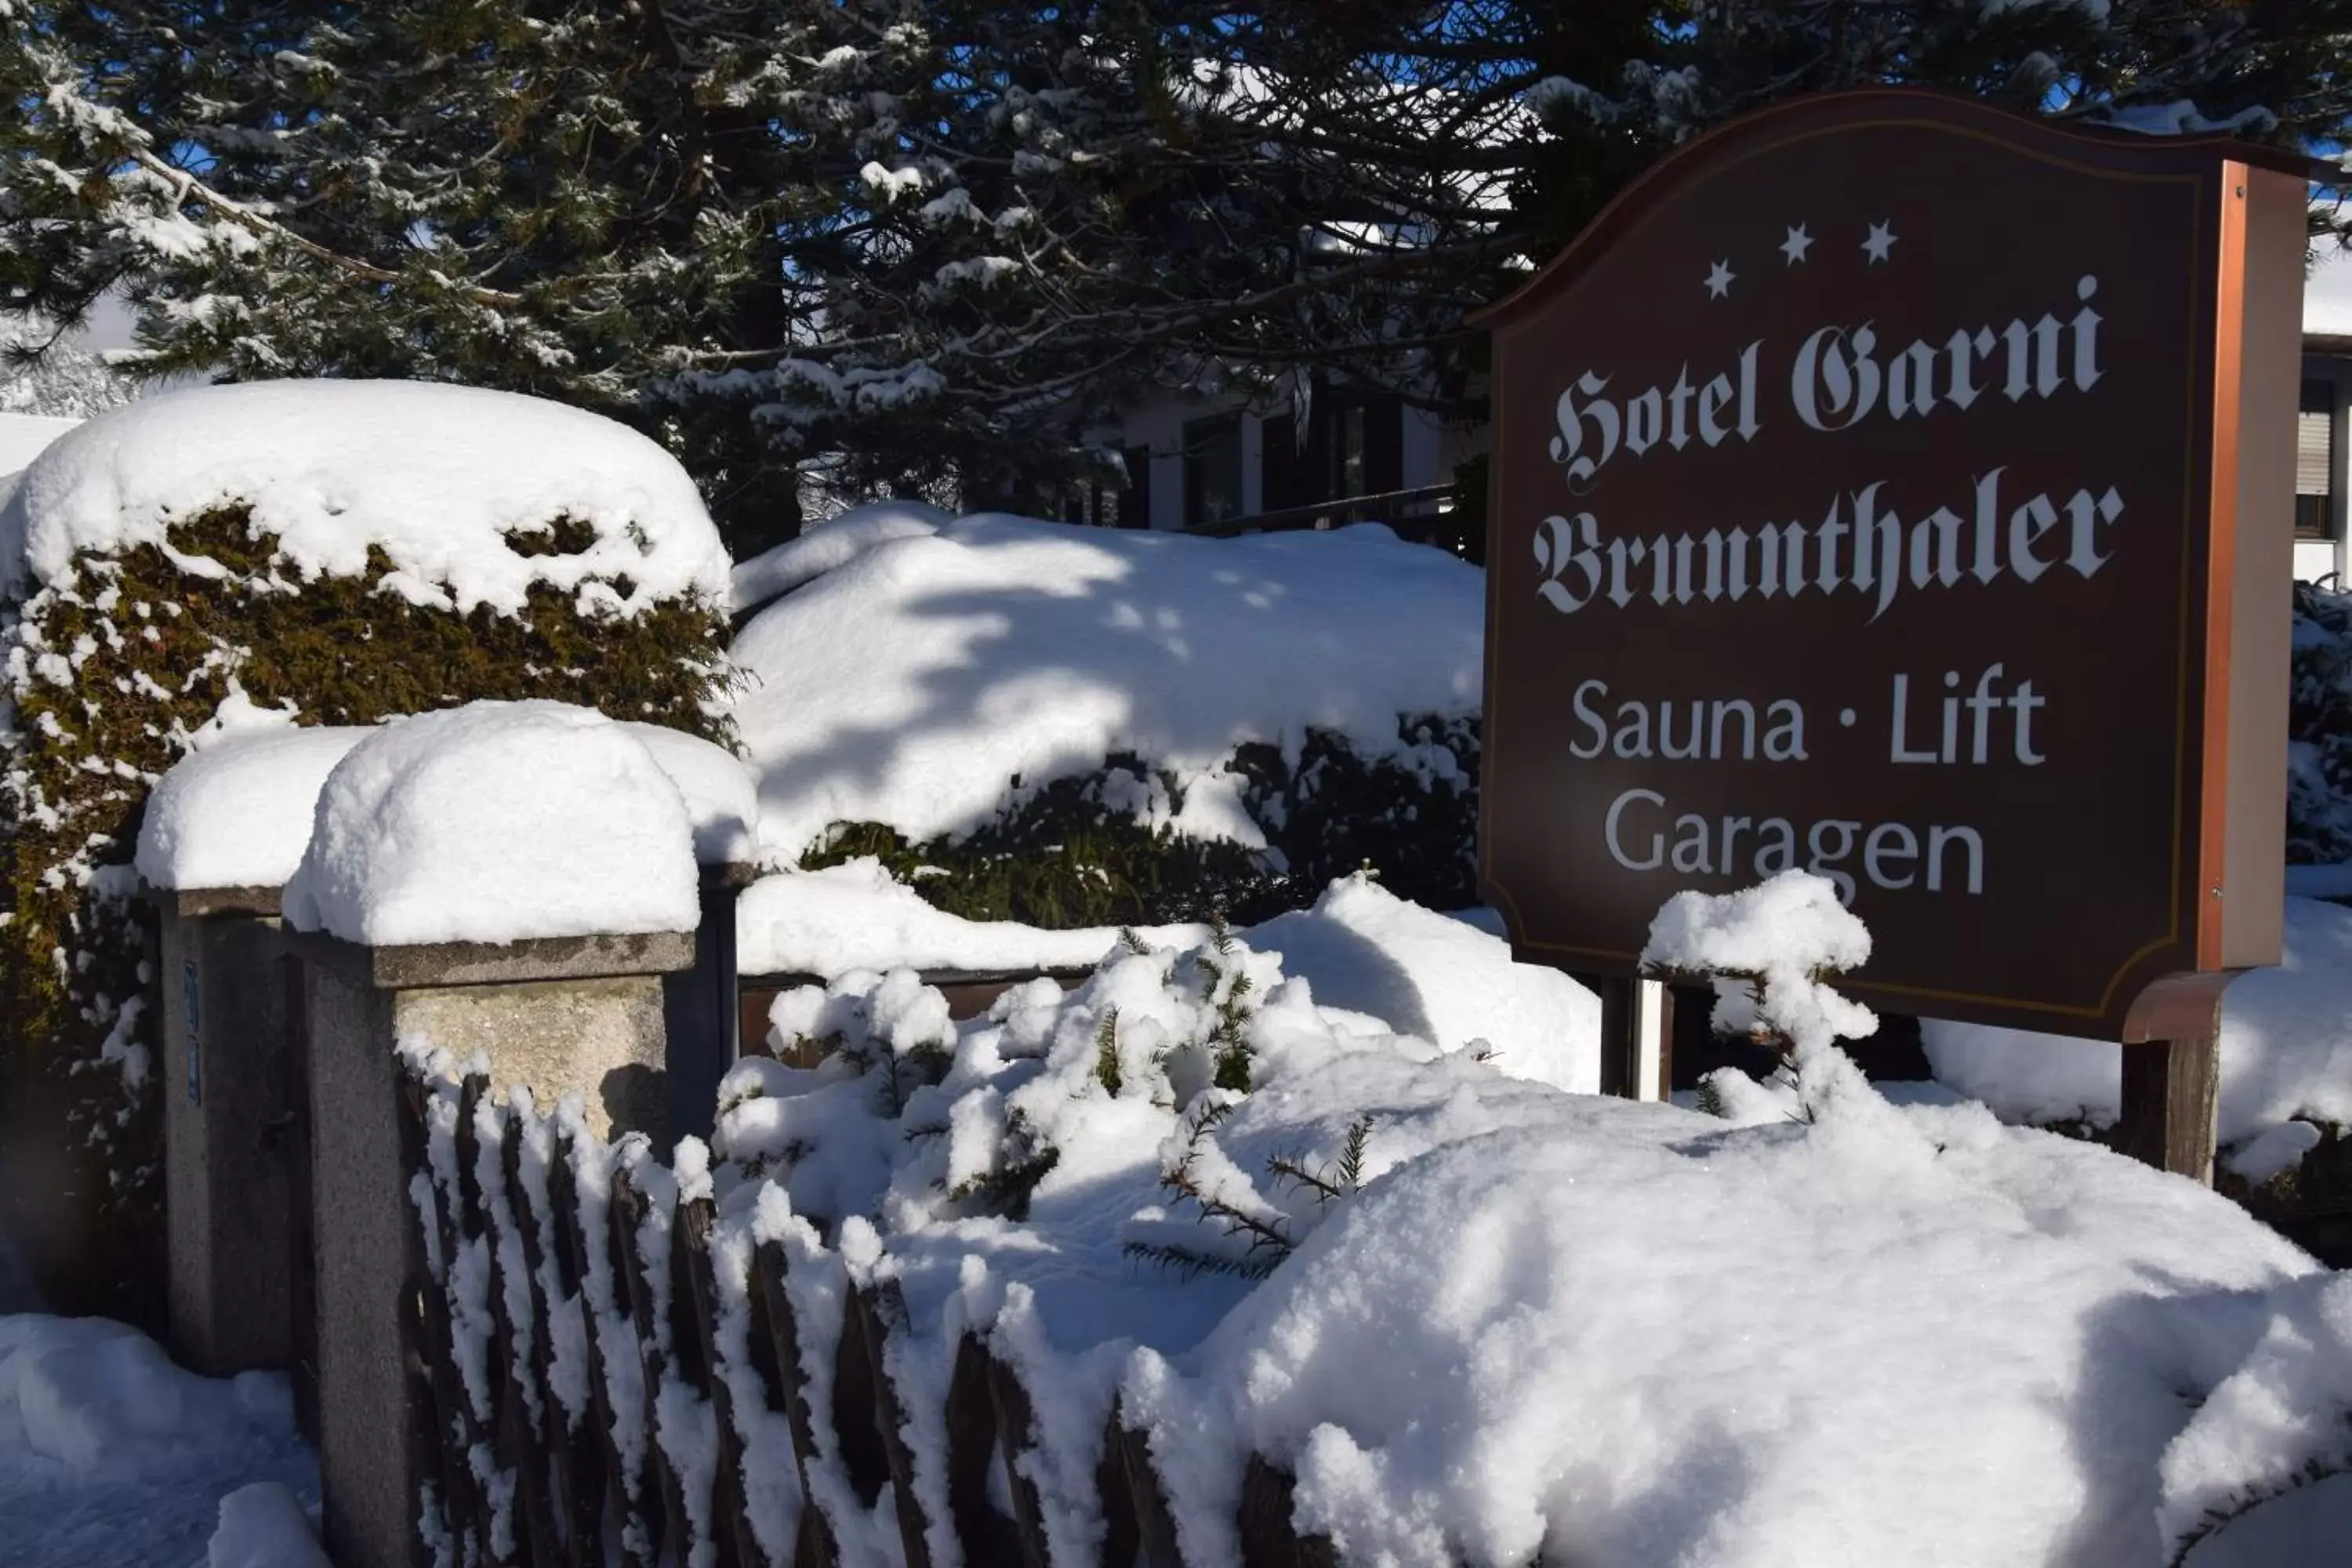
(112, 1457)
(832, 544)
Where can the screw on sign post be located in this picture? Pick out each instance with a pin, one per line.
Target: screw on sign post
(1899, 488)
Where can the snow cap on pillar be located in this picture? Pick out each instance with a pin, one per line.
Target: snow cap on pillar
(497, 822)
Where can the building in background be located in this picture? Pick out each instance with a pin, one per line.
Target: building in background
(2321, 444)
(1209, 462)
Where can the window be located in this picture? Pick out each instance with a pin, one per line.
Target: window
(1134, 502)
(2315, 462)
(1351, 453)
(1213, 471)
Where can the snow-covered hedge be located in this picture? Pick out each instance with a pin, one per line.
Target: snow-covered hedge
(339, 550)
(1087, 726)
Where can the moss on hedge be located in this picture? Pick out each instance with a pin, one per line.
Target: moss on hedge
(109, 671)
(1070, 854)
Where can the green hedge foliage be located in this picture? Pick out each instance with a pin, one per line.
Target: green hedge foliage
(1063, 858)
(108, 671)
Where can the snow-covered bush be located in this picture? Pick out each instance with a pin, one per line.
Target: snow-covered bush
(339, 552)
(1085, 727)
(909, 1115)
(1080, 851)
(1482, 1320)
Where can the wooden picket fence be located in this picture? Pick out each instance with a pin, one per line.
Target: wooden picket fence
(511, 1481)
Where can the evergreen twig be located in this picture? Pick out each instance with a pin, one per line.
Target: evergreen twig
(1106, 1067)
(1266, 1242)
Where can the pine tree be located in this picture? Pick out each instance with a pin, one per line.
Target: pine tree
(2269, 70)
(876, 242)
(43, 372)
(873, 241)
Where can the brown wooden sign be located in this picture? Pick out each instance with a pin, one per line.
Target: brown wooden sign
(1899, 488)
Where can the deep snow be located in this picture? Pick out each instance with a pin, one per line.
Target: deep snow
(236, 813)
(833, 543)
(112, 1457)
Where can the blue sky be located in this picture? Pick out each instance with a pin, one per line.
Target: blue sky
(2327, 295)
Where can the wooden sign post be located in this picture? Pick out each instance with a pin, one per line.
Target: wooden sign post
(1899, 488)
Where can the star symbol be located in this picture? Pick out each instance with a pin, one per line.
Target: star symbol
(1799, 242)
(1881, 243)
(1718, 282)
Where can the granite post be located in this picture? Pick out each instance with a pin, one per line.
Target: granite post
(581, 1013)
(228, 1120)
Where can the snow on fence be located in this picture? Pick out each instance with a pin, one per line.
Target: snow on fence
(600, 1358)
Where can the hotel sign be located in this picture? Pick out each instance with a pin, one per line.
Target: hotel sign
(1896, 488)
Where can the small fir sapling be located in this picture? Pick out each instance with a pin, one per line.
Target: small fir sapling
(1194, 1179)
(1202, 1177)
(1007, 1188)
(1229, 989)
(1328, 1183)
(1106, 1069)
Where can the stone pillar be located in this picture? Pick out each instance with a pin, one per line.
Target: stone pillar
(572, 1014)
(226, 1127)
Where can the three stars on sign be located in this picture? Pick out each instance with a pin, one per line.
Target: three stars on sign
(1879, 247)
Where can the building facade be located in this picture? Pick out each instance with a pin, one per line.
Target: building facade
(2321, 445)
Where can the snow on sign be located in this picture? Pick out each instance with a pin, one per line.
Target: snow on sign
(1899, 488)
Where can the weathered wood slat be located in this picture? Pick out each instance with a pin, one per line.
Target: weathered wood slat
(857, 1420)
(574, 1251)
(1016, 1422)
(1269, 1539)
(987, 1535)
(572, 1457)
(867, 1314)
(1131, 1488)
(738, 1543)
(628, 1211)
(431, 1354)
(775, 1352)
(470, 1223)
(522, 1437)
